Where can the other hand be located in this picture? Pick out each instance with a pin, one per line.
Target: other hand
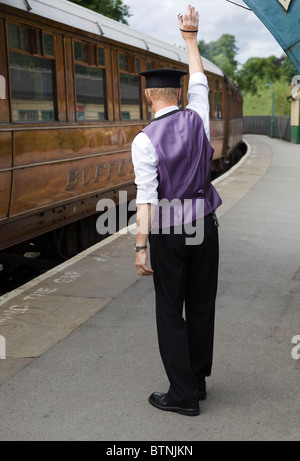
(141, 264)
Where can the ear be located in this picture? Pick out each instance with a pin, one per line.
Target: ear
(148, 97)
(179, 94)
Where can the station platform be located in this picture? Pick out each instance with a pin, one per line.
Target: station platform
(81, 345)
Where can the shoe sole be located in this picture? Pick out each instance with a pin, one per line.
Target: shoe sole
(179, 410)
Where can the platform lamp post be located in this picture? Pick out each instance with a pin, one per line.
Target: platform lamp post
(272, 131)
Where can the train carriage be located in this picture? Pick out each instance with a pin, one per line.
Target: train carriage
(71, 104)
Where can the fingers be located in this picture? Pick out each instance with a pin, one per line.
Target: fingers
(141, 264)
(144, 270)
(190, 19)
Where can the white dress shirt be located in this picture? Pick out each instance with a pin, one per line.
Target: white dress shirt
(144, 156)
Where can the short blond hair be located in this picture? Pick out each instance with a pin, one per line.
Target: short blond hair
(163, 93)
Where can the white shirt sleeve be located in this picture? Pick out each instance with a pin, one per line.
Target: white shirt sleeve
(198, 98)
(145, 161)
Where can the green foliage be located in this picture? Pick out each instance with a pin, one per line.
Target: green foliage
(259, 77)
(257, 70)
(288, 69)
(222, 52)
(114, 9)
(260, 103)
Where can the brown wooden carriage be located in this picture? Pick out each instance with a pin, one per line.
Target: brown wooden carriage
(73, 104)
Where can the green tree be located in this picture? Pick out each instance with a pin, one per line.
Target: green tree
(222, 52)
(259, 77)
(260, 103)
(257, 70)
(204, 49)
(114, 9)
(288, 69)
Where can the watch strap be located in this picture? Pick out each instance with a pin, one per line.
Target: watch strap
(137, 248)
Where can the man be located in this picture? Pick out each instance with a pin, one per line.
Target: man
(172, 158)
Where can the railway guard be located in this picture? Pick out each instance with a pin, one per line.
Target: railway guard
(172, 158)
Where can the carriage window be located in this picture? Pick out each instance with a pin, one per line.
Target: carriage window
(90, 93)
(130, 97)
(123, 62)
(100, 57)
(81, 52)
(90, 82)
(32, 86)
(217, 105)
(48, 44)
(150, 65)
(138, 65)
(25, 45)
(32, 77)
(130, 87)
(13, 36)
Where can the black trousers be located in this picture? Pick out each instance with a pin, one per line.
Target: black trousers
(187, 276)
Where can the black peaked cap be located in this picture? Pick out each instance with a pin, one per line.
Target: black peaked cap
(163, 78)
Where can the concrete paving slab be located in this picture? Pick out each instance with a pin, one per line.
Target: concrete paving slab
(45, 322)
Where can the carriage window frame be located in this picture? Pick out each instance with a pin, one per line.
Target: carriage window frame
(35, 49)
(150, 65)
(93, 62)
(130, 68)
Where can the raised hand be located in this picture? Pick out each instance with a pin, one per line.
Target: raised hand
(189, 23)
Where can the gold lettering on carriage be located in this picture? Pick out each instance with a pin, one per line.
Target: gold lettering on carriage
(101, 172)
(285, 3)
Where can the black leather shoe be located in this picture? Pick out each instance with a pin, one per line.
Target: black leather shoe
(202, 390)
(160, 400)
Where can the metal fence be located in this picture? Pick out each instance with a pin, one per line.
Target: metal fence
(262, 125)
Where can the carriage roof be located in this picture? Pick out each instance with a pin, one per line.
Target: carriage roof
(71, 14)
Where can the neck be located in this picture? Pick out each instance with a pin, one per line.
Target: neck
(159, 105)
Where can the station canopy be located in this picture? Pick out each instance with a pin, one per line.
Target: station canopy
(282, 18)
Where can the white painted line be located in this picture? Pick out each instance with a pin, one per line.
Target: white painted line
(235, 167)
(61, 267)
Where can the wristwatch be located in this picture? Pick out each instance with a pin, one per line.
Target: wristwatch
(136, 248)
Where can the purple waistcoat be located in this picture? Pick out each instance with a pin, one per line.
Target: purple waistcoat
(184, 160)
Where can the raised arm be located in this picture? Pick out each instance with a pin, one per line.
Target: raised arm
(189, 24)
(198, 85)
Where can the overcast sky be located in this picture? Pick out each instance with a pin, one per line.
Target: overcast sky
(158, 18)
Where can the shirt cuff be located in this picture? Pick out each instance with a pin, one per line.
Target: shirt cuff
(140, 200)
